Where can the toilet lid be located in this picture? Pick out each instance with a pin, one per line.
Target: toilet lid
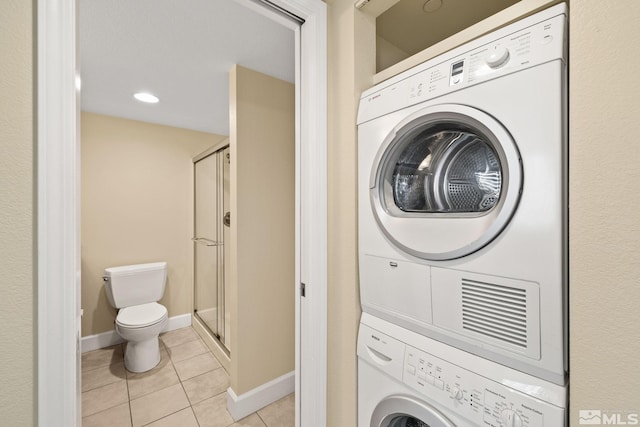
(139, 316)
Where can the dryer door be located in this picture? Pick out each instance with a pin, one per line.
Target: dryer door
(445, 182)
(406, 411)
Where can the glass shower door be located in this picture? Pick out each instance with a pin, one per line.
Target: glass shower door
(211, 184)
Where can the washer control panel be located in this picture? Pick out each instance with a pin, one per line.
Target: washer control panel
(457, 383)
(473, 396)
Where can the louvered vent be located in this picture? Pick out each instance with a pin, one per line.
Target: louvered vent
(496, 311)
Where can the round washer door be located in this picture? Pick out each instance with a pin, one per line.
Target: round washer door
(445, 182)
(406, 411)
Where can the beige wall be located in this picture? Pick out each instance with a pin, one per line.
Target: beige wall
(262, 143)
(605, 206)
(17, 228)
(351, 50)
(388, 54)
(137, 195)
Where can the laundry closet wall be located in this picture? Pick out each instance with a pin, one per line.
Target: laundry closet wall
(604, 237)
(18, 262)
(137, 189)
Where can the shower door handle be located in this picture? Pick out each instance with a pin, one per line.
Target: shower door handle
(207, 242)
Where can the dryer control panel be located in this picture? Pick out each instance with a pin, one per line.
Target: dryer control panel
(492, 56)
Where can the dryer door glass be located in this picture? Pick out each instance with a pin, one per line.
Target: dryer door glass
(445, 167)
(445, 181)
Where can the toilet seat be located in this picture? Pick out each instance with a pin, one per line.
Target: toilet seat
(141, 316)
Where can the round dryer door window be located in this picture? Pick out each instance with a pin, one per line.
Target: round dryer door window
(446, 182)
(405, 411)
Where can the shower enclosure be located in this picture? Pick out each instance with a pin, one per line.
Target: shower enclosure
(212, 220)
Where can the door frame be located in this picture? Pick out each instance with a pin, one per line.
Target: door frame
(58, 212)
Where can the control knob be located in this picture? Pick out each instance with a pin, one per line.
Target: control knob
(455, 393)
(509, 418)
(497, 57)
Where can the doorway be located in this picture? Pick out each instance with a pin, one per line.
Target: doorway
(58, 215)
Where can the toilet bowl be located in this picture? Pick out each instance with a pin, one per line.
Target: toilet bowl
(135, 290)
(140, 326)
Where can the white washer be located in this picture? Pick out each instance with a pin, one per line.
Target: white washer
(408, 380)
(463, 197)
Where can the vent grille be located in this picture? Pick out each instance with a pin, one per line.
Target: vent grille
(496, 311)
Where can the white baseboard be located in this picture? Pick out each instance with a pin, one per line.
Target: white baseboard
(253, 400)
(109, 338)
(179, 321)
(95, 342)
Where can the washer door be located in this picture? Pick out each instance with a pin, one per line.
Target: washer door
(445, 182)
(406, 411)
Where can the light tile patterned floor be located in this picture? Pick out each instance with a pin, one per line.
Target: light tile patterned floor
(186, 389)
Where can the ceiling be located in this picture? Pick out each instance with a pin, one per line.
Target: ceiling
(179, 50)
(408, 27)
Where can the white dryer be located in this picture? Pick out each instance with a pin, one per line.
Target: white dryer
(463, 196)
(408, 380)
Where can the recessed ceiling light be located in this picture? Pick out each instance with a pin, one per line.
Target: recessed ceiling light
(431, 6)
(146, 97)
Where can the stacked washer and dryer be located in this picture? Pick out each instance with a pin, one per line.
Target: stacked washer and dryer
(463, 235)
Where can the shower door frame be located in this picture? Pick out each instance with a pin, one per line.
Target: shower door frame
(218, 151)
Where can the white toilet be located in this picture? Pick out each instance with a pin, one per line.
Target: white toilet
(135, 290)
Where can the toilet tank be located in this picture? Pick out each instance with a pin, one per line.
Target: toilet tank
(130, 285)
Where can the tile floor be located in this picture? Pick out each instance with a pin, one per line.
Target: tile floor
(186, 389)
